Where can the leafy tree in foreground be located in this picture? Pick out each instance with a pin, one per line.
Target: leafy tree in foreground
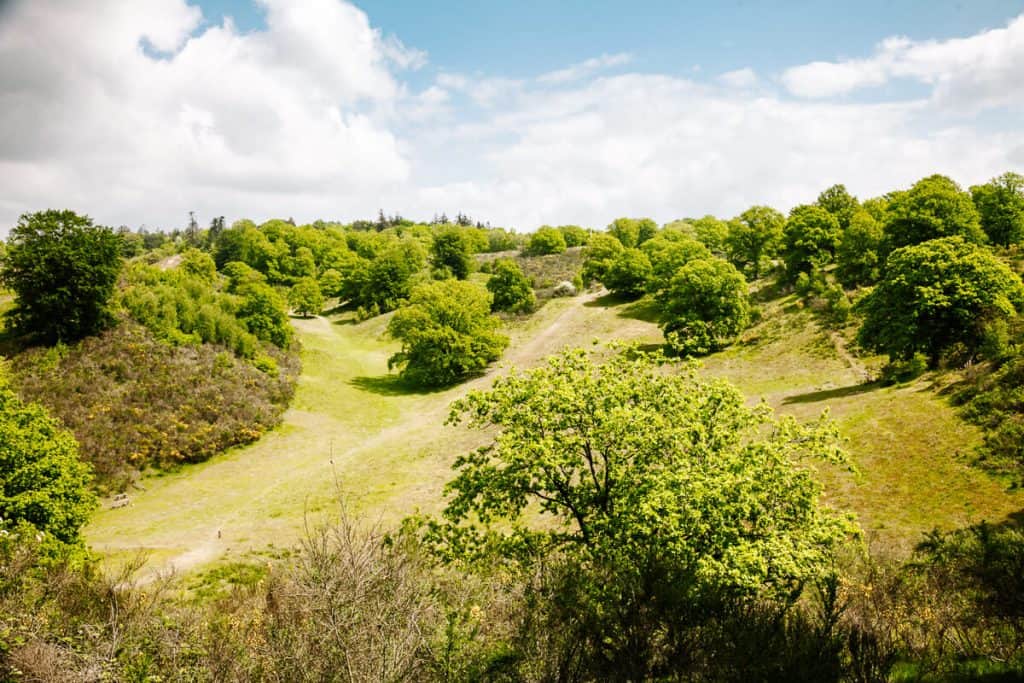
(450, 251)
(447, 333)
(510, 288)
(42, 481)
(305, 297)
(1000, 203)
(753, 237)
(628, 273)
(546, 240)
(934, 207)
(704, 307)
(937, 294)
(661, 495)
(62, 270)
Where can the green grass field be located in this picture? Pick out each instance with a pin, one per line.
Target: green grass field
(355, 431)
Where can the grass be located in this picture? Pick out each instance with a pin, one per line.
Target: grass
(355, 429)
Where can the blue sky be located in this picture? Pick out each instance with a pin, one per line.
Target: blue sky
(518, 113)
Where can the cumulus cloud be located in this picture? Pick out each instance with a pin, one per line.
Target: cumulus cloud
(137, 113)
(976, 71)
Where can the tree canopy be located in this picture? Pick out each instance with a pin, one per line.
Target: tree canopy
(632, 232)
(1000, 204)
(754, 236)
(809, 239)
(510, 288)
(305, 297)
(598, 256)
(628, 273)
(62, 270)
(451, 250)
(704, 306)
(934, 207)
(936, 294)
(447, 333)
(546, 240)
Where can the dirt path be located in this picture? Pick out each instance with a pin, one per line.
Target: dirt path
(348, 428)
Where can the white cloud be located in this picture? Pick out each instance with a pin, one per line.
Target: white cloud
(585, 68)
(310, 118)
(740, 78)
(980, 70)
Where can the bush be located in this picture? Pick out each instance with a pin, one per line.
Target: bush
(62, 270)
(546, 240)
(510, 289)
(447, 333)
(704, 307)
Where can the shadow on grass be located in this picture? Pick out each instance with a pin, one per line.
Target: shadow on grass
(826, 394)
(392, 385)
(643, 309)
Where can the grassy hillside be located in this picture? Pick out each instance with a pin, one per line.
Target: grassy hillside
(353, 428)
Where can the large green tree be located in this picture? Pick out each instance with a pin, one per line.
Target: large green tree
(451, 251)
(510, 288)
(857, 254)
(754, 236)
(42, 481)
(936, 294)
(669, 251)
(447, 333)
(546, 240)
(62, 270)
(632, 232)
(934, 207)
(808, 240)
(627, 276)
(599, 255)
(305, 297)
(840, 203)
(659, 492)
(704, 306)
(1000, 203)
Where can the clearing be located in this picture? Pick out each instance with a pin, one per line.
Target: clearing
(354, 430)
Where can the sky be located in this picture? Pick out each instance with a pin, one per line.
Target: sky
(518, 114)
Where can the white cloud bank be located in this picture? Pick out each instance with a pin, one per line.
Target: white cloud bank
(310, 118)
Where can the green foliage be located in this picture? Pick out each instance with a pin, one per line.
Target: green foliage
(133, 401)
(668, 251)
(937, 294)
(62, 270)
(632, 232)
(628, 274)
(264, 315)
(305, 297)
(574, 235)
(384, 279)
(546, 240)
(712, 233)
(450, 251)
(840, 203)
(704, 307)
(447, 333)
(509, 287)
(857, 254)
(199, 264)
(330, 282)
(753, 237)
(42, 481)
(995, 402)
(934, 207)
(659, 494)
(600, 253)
(809, 240)
(240, 276)
(1000, 204)
(499, 239)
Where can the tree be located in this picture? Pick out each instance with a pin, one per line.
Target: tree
(840, 203)
(447, 333)
(628, 274)
(510, 288)
(1000, 204)
(330, 282)
(857, 252)
(632, 232)
(199, 264)
(669, 251)
(660, 494)
(546, 240)
(753, 237)
(809, 240)
(62, 270)
(42, 481)
(305, 297)
(450, 251)
(574, 235)
(712, 233)
(934, 207)
(600, 253)
(264, 314)
(704, 307)
(936, 294)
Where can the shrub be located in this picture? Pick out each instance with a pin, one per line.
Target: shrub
(510, 289)
(447, 333)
